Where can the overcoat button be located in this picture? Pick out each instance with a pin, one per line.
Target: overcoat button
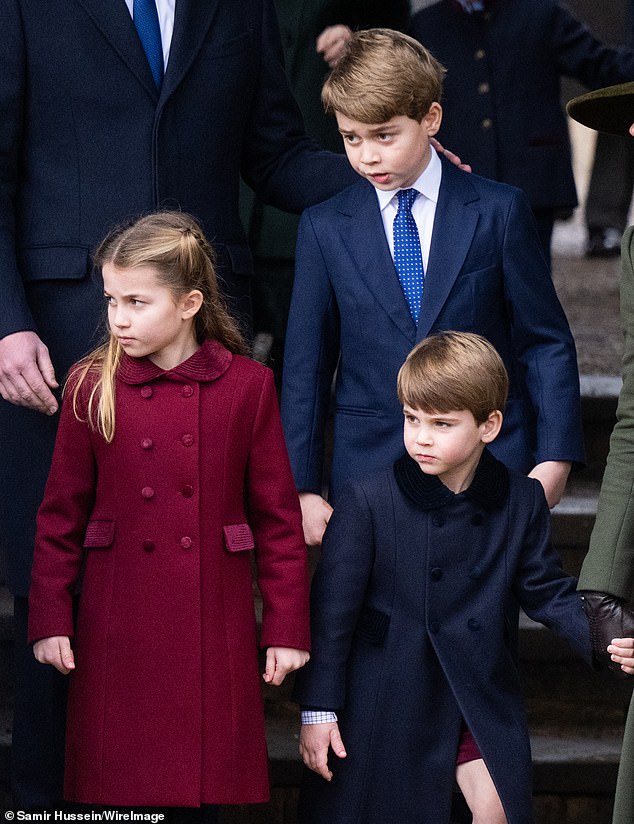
(147, 443)
(186, 542)
(477, 519)
(147, 492)
(148, 545)
(187, 491)
(436, 574)
(484, 88)
(146, 391)
(473, 624)
(438, 520)
(187, 391)
(480, 54)
(434, 627)
(187, 440)
(487, 123)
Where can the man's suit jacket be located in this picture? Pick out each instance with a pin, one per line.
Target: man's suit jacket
(486, 274)
(501, 101)
(87, 141)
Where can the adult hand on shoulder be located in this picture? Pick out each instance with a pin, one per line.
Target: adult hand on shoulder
(26, 372)
(314, 741)
(56, 651)
(331, 43)
(282, 660)
(622, 652)
(553, 476)
(316, 513)
(451, 157)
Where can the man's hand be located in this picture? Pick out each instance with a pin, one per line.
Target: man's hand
(26, 373)
(314, 741)
(315, 516)
(553, 476)
(331, 43)
(282, 660)
(55, 650)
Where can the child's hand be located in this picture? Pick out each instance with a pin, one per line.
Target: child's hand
(622, 652)
(56, 651)
(451, 157)
(331, 43)
(315, 516)
(314, 740)
(282, 660)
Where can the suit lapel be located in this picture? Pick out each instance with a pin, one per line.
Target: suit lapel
(191, 24)
(363, 236)
(114, 21)
(454, 227)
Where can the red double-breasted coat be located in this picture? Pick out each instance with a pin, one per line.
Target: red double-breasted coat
(165, 705)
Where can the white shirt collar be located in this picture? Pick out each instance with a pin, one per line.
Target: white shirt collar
(428, 183)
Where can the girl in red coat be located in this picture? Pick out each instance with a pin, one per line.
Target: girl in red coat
(169, 467)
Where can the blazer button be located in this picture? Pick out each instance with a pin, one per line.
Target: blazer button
(147, 443)
(473, 624)
(148, 545)
(436, 574)
(187, 491)
(147, 492)
(146, 391)
(187, 391)
(187, 440)
(186, 542)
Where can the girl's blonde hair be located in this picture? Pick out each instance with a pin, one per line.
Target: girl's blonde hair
(173, 245)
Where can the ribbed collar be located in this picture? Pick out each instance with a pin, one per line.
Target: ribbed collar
(488, 488)
(206, 364)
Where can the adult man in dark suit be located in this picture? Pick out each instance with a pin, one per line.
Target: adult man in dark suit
(89, 137)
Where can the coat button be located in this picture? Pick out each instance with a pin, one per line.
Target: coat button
(436, 574)
(147, 443)
(473, 624)
(146, 391)
(477, 519)
(479, 54)
(186, 542)
(187, 440)
(484, 88)
(147, 492)
(187, 491)
(148, 545)
(438, 520)
(187, 391)
(487, 123)
(434, 626)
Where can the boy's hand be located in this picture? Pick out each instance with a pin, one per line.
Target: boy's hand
(553, 476)
(331, 43)
(314, 741)
(56, 651)
(282, 660)
(315, 516)
(451, 157)
(622, 652)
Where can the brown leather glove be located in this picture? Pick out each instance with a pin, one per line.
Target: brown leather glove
(608, 618)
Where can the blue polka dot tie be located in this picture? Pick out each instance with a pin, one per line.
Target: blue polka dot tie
(408, 258)
(146, 22)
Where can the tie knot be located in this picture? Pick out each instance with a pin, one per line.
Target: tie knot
(405, 199)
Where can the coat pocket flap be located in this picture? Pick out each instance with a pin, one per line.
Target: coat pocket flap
(238, 537)
(372, 626)
(99, 534)
(54, 262)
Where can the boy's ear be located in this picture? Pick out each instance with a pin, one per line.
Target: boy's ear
(191, 303)
(433, 119)
(490, 429)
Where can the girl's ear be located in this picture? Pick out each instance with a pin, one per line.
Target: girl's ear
(191, 303)
(490, 429)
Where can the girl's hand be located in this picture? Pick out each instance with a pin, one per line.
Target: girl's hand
(56, 651)
(451, 157)
(622, 652)
(332, 42)
(282, 660)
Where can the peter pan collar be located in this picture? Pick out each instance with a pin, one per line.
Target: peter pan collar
(488, 488)
(206, 364)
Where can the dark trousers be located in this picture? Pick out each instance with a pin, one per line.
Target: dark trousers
(611, 182)
(39, 725)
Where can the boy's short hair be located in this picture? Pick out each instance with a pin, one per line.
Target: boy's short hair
(452, 371)
(381, 75)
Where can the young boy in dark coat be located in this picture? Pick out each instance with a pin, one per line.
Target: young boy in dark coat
(412, 611)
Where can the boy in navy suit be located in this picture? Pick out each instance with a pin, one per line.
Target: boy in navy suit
(378, 269)
(412, 680)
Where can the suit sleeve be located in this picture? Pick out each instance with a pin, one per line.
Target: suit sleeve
(337, 596)
(61, 526)
(542, 341)
(276, 520)
(15, 315)
(310, 360)
(609, 564)
(547, 593)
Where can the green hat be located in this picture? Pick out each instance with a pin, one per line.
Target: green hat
(610, 109)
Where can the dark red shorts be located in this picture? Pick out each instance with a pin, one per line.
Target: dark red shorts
(467, 747)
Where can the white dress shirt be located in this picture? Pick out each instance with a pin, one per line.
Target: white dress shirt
(165, 10)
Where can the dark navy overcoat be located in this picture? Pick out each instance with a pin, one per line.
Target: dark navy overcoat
(412, 604)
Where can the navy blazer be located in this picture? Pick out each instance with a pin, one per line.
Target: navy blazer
(486, 274)
(501, 100)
